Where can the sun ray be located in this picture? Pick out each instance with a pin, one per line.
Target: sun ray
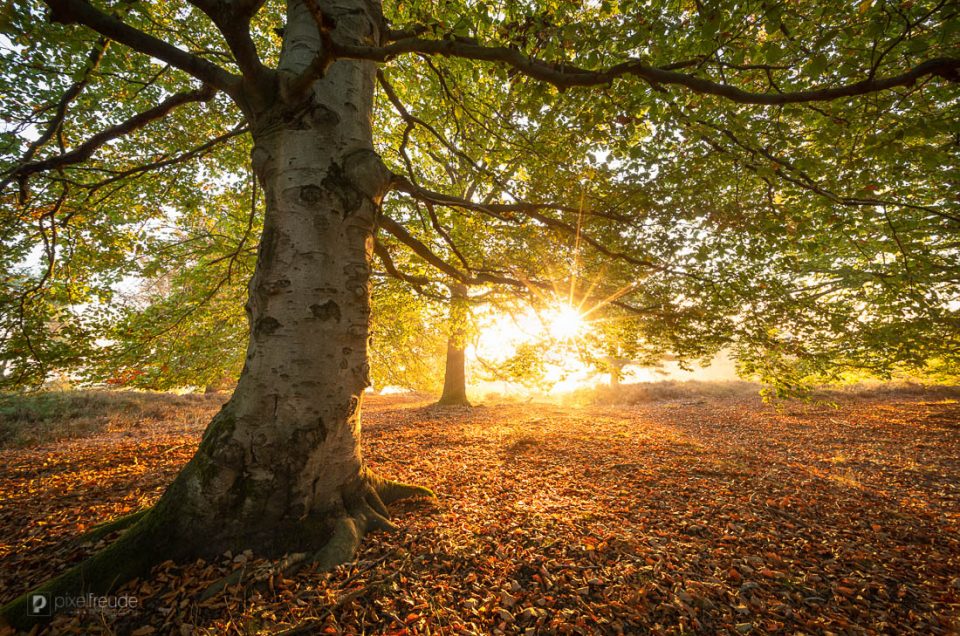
(620, 293)
(593, 285)
(534, 289)
(576, 246)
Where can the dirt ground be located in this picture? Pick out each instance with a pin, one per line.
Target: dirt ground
(703, 514)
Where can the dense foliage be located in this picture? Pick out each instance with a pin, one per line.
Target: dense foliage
(760, 189)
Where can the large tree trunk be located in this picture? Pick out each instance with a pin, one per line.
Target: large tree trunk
(279, 469)
(284, 454)
(454, 377)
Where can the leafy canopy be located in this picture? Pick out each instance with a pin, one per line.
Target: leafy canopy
(778, 178)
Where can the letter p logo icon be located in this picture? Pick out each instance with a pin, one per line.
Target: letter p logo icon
(39, 604)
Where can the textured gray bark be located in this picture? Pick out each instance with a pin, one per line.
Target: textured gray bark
(284, 453)
(280, 469)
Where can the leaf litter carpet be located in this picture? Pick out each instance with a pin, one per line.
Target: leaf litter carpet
(703, 515)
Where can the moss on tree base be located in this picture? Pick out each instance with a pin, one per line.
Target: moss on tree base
(148, 540)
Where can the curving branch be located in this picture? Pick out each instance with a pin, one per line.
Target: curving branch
(804, 180)
(477, 278)
(60, 113)
(412, 120)
(439, 229)
(564, 75)
(400, 183)
(233, 21)
(504, 212)
(417, 282)
(50, 252)
(85, 150)
(169, 161)
(410, 186)
(420, 249)
(509, 212)
(392, 270)
(82, 12)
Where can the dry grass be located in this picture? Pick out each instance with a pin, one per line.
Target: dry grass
(692, 390)
(887, 391)
(644, 392)
(42, 418)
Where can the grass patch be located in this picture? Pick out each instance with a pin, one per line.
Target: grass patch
(39, 418)
(693, 390)
(668, 390)
(888, 391)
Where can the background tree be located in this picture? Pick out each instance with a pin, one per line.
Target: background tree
(454, 377)
(616, 342)
(762, 166)
(409, 339)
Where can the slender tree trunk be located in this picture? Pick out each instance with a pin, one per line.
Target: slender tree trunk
(279, 469)
(615, 366)
(454, 377)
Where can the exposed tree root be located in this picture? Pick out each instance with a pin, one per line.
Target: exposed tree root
(133, 554)
(147, 542)
(101, 530)
(391, 491)
(365, 512)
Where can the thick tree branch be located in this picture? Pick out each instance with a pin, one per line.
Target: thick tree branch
(384, 255)
(424, 252)
(508, 212)
(417, 282)
(233, 21)
(478, 278)
(82, 12)
(53, 126)
(420, 249)
(567, 76)
(85, 150)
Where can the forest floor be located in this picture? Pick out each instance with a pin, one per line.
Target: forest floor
(713, 515)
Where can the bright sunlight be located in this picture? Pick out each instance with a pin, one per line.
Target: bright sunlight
(564, 322)
(501, 333)
(556, 332)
